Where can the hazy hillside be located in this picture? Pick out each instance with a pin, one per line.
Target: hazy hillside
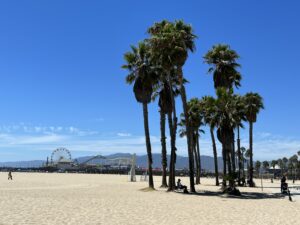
(182, 162)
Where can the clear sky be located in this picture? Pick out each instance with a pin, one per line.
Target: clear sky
(62, 84)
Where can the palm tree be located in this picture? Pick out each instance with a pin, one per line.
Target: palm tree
(223, 65)
(143, 76)
(165, 108)
(222, 60)
(253, 104)
(257, 167)
(280, 163)
(240, 116)
(293, 165)
(265, 165)
(284, 163)
(226, 115)
(196, 121)
(209, 116)
(170, 44)
(273, 164)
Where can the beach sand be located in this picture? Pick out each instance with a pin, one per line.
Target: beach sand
(51, 198)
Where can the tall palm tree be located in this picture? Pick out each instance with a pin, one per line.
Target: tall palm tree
(165, 108)
(253, 104)
(209, 116)
(240, 117)
(223, 66)
(196, 121)
(167, 104)
(142, 75)
(170, 44)
(226, 119)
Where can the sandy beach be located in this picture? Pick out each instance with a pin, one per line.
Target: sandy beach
(40, 198)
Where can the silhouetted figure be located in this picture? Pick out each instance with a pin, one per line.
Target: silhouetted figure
(180, 186)
(9, 175)
(284, 185)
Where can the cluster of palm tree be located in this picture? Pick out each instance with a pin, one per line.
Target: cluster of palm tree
(290, 166)
(155, 69)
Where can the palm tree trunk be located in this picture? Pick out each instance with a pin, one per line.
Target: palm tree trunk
(148, 144)
(233, 153)
(173, 155)
(224, 165)
(229, 163)
(239, 154)
(243, 167)
(198, 159)
(188, 130)
(251, 154)
(163, 148)
(197, 156)
(215, 155)
(173, 131)
(196, 162)
(228, 151)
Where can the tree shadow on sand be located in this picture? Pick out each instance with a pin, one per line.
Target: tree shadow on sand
(244, 195)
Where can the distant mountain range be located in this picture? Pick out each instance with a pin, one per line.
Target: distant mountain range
(141, 161)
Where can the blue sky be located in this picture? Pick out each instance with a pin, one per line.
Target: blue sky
(62, 85)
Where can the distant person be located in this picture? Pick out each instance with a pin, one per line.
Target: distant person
(283, 183)
(9, 175)
(180, 186)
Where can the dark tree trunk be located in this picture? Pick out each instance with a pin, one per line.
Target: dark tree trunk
(197, 157)
(188, 131)
(173, 156)
(148, 144)
(239, 154)
(224, 165)
(172, 120)
(221, 138)
(243, 167)
(163, 148)
(229, 163)
(251, 183)
(215, 155)
(233, 152)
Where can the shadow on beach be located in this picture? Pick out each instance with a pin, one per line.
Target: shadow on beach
(244, 195)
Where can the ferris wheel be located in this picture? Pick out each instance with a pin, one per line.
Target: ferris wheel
(61, 155)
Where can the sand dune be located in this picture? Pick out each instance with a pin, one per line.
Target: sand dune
(35, 198)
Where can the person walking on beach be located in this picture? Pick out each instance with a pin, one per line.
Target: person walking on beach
(9, 175)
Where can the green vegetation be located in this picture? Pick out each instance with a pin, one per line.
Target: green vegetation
(155, 69)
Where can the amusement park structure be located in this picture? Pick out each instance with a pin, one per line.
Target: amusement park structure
(61, 159)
